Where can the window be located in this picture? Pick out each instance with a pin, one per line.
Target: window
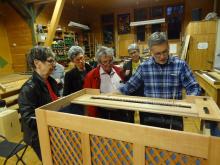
(140, 15)
(174, 19)
(108, 29)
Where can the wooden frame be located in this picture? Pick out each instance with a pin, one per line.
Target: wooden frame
(96, 136)
(210, 88)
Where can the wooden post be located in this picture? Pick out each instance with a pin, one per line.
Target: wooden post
(54, 21)
(139, 154)
(44, 137)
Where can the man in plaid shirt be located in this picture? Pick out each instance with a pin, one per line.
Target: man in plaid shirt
(163, 76)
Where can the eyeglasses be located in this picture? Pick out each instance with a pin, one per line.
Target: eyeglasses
(77, 60)
(133, 52)
(107, 62)
(164, 53)
(51, 61)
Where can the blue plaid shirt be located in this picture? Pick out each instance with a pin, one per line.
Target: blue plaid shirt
(163, 81)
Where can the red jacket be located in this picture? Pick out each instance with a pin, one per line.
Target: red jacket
(92, 80)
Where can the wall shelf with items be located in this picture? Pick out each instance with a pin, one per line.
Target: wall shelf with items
(62, 41)
(89, 44)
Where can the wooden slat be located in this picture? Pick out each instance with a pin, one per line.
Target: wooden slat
(214, 157)
(86, 149)
(139, 154)
(11, 99)
(14, 107)
(170, 110)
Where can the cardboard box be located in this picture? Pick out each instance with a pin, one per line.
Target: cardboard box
(9, 124)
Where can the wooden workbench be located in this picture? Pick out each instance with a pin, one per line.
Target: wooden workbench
(212, 88)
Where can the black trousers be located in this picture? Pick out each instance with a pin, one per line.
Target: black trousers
(163, 121)
(116, 114)
(36, 147)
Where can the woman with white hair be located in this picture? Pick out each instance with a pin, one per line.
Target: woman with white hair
(73, 80)
(108, 78)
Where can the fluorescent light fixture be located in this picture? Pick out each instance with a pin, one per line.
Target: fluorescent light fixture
(149, 22)
(74, 24)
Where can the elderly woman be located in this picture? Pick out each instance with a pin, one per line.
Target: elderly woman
(106, 77)
(131, 66)
(73, 80)
(40, 89)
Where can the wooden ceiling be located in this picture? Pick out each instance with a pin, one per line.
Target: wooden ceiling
(105, 4)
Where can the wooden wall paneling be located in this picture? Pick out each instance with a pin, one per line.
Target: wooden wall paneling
(201, 31)
(123, 42)
(5, 49)
(19, 37)
(205, 5)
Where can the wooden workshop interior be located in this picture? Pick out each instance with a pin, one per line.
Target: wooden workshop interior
(194, 36)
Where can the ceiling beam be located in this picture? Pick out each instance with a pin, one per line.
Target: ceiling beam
(54, 21)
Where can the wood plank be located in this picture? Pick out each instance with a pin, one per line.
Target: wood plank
(86, 100)
(139, 154)
(214, 157)
(44, 136)
(14, 107)
(11, 99)
(86, 149)
(54, 21)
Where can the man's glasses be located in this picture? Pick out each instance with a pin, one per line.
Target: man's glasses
(164, 53)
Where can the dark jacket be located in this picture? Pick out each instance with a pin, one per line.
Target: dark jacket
(73, 80)
(128, 66)
(33, 94)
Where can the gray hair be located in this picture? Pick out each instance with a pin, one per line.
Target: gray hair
(74, 51)
(104, 51)
(157, 38)
(132, 47)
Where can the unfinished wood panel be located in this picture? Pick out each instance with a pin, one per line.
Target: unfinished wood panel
(9, 88)
(201, 32)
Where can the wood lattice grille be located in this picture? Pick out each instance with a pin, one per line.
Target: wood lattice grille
(65, 146)
(110, 151)
(158, 156)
